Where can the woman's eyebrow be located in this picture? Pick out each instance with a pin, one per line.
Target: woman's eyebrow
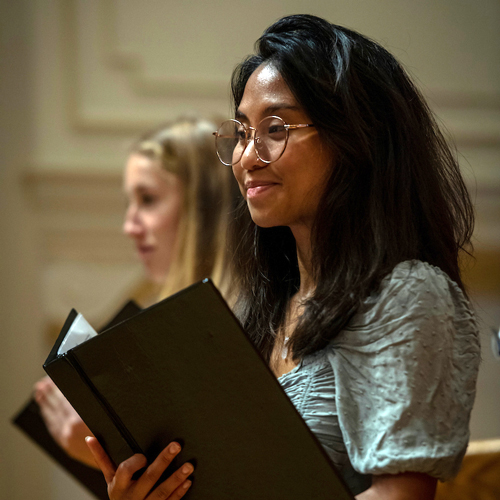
(273, 108)
(143, 188)
(240, 114)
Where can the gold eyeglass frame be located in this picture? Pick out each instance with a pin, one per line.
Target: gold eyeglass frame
(252, 137)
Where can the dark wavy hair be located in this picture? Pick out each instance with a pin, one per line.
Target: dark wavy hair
(394, 193)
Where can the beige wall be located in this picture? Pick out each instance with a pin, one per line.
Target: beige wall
(80, 78)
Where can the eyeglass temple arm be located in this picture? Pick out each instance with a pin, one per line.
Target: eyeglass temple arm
(299, 125)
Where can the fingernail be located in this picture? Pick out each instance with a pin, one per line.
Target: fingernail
(87, 439)
(187, 468)
(174, 448)
(186, 485)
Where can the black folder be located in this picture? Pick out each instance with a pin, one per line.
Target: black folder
(184, 370)
(30, 421)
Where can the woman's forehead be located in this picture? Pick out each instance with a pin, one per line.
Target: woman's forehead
(267, 91)
(267, 75)
(144, 171)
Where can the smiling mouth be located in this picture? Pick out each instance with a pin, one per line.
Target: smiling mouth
(256, 191)
(256, 188)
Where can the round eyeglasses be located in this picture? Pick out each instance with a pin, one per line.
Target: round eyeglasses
(270, 138)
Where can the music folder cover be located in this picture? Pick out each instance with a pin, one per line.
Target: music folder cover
(183, 369)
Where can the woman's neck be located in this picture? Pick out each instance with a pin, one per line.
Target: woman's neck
(281, 360)
(304, 258)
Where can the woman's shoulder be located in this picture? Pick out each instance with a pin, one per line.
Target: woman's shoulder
(415, 276)
(413, 294)
(418, 284)
(415, 340)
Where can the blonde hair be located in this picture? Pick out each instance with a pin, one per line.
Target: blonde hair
(186, 148)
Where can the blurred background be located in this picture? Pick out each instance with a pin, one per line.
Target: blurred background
(79, 79)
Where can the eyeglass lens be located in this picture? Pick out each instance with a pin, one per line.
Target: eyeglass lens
(269, 142)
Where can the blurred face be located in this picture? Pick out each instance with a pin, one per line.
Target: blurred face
(154, 206)
(285, 192)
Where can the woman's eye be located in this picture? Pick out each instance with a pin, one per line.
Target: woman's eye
(276, 129)
(147, 199)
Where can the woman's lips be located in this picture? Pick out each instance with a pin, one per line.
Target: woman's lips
(144, 251)
(256, 189)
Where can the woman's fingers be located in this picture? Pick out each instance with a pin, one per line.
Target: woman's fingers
(101, 457)
(176, 486)
(43, 391)
(153, 473)
(62, 421)
(122, 485)
(164, 493)
(124, 482)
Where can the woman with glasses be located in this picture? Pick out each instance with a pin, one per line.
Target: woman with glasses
(346, 252)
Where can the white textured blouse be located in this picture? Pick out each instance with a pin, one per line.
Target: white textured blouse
(393, 392)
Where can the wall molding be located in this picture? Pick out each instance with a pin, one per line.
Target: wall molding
(472, 118)
(198, 90)
(133, 67)
(79, 214)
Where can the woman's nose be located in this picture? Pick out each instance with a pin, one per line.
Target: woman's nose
(132, 226)
(250, 159)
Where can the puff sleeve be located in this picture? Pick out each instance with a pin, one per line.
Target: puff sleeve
(405, 374)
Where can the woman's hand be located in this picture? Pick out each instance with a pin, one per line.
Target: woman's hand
(62, 421)
(122, 486)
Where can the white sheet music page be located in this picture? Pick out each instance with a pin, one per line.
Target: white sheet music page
(79, 332)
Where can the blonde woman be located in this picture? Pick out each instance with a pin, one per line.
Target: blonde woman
(179, 199)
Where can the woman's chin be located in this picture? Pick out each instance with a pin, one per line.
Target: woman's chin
(263, 219)
(156, 276)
